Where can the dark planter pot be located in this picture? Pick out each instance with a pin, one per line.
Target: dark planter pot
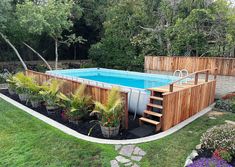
(23, 97)
(51, 109)
(35, 104)
(109, 132)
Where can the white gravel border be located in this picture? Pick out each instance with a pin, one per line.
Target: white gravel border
(74, 133)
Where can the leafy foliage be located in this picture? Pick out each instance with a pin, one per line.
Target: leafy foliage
(77, 106)
(220, 137)
(49, 91)
(110, 113)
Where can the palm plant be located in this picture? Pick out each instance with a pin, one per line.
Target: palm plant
(110, 114)
(78, 105)
(49, 91)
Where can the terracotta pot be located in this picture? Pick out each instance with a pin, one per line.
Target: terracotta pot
(23, 97)
(109, 131)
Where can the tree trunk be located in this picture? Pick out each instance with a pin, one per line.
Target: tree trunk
(56, 54)
(49, 67)
(15, 50)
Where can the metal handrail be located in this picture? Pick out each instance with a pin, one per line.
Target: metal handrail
(171, 86)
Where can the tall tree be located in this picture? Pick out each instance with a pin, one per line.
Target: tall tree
(52, 17)
(6, 21)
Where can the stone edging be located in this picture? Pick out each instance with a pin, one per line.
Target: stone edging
(74, 133)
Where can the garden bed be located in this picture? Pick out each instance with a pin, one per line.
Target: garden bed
(84, 125)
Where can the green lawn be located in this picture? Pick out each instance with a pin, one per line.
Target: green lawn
(26, 141)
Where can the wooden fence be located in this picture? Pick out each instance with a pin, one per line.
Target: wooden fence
(97, 93)
(185, 100)
(225, 66)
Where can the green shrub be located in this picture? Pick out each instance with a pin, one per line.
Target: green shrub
(226, 156)
(225, 105)
(220, 137)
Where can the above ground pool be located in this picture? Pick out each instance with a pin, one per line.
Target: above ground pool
(135, 83)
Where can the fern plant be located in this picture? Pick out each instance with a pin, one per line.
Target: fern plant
(78, 105)
(110, 113)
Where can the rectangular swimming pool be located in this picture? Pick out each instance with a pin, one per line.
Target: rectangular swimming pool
(118, 77)
(135, 83)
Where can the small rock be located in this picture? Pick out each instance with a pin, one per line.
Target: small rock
(136, 158)
(190, 131)
(114, 163)
(127, 150)
(212, 117)
(117, 147)
(198, 147)
(193, 154)
(122, 159)
(188, 162)
(137, 150)
(128, 164)
(135, 165)
(142, 153)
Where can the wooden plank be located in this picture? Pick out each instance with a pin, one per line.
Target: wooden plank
(226, 66)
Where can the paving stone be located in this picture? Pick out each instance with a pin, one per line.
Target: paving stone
(122, 159)
(114, 163)
(117, 147)
(142, 153)
(135, 165)
(137, 150)
(128, 164)
(136, 158)
(127, 150)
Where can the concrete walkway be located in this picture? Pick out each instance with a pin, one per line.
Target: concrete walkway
(224, 84)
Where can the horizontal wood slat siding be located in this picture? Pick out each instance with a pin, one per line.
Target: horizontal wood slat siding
(180, 105)
(226, 66)
(97, 93)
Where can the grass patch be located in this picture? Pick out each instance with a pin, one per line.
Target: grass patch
(27, 141)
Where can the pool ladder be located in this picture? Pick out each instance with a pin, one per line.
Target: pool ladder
(154, 110)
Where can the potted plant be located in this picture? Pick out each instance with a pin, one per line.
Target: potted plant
(49, 91)
(35, 97)
(22, 83)
(11, 81)
(110, 114)
(77, 106)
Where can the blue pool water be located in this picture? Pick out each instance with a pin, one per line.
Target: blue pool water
(118, 77)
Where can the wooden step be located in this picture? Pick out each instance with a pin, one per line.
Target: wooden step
(155, 106)
(161, 90)
(149, 121)
(153, 113)
(156, 98)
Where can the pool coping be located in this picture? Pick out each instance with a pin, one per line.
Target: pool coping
(74, 133)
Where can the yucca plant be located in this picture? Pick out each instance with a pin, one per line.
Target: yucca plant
(77, 105)
(49, 91)
(110, 114)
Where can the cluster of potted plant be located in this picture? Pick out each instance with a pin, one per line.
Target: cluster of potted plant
(75, 106)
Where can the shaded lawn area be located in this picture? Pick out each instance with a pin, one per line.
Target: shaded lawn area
(27, 141)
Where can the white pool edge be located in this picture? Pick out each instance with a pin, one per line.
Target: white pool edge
(74, 133)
